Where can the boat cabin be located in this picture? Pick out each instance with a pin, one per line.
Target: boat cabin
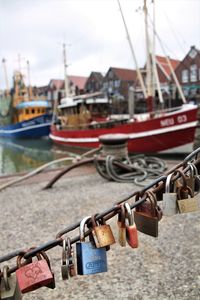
(83, 110)
(30, 109)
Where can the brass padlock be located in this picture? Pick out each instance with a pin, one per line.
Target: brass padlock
(102, 234)
(121, 227)
(187, 202)
(185, 196)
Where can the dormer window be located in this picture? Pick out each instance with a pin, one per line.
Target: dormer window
(193, 53)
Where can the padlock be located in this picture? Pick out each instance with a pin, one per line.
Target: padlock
(9, 288)
(34, 275)
(67, 263)
(90, 260)
(190, 177)
(102, 234)
(169, 199)
(71, 260)
(64, 262)
(121, 226)
(196, 177)
(187, 202)
(147, 215)
(131, 230)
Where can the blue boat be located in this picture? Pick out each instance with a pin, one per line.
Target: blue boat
(22, 114)
(33, 128)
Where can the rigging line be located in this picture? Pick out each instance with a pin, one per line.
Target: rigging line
(171, 68)
(176, 36)
(159, 39)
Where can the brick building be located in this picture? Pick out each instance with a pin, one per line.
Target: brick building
(188, 74)
(94, 82)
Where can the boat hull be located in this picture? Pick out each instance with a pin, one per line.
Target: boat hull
(33, 128)
(154, 135)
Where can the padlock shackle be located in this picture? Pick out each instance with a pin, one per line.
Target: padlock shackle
(82, 228)
(128, 213)
(193, 169)
(64, 253)
(5, 277)
(167, 183)
(184, 189)
(94, 223)
(183, 177)
(121, 214)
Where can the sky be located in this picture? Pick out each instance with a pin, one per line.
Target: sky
(93, 32)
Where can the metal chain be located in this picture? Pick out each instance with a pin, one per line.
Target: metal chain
(155, 186)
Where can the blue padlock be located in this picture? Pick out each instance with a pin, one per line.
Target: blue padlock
(90, 260)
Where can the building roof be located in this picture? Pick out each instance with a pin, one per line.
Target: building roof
(162, 60)
(125, 74)
(97, 75)
(56, 83)
(79, 81)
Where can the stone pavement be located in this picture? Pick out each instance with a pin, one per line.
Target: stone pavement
(167, 267)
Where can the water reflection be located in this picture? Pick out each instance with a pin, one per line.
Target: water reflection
(24, 155)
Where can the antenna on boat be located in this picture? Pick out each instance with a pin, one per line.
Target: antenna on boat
(133, 54)
(29, 80)
(65, 71)
(6, 75)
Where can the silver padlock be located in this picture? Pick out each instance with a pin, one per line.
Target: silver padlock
(64, 262)
(196, 177)
(169, 207)
(9, 288)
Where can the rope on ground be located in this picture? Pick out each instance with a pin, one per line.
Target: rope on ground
(74, 158)
(136, 169)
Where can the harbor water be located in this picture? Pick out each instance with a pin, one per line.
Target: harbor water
(24, 155)
(17, 156)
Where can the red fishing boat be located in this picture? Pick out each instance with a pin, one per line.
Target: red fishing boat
(81, 120)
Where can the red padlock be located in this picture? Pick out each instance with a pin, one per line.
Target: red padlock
(35, 274)
(131, 230)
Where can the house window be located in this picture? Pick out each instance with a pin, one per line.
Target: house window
(117, 83)
(110, 75)
(185, 76)
(193, 73)
(105, 85)
(186, 91)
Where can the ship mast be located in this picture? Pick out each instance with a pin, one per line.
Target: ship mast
(65, 71)
(149, 56)
(133, 54)
(155, 78)
(6, 75)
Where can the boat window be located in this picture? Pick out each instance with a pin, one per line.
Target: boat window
(33, 111)
(38, 110)
(27, 111)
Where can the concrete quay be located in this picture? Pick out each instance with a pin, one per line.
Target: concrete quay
(167, 267)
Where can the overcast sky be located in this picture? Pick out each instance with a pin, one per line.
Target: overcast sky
(93, 32)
